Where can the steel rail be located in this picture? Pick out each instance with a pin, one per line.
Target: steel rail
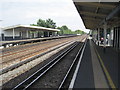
(28, 54)
(77, 67)
(68, 72)
(25, 48)
(29, 81)
(72, 65)
(4, 70)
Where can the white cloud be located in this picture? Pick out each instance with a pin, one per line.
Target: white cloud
(37, 1)
(63, 12)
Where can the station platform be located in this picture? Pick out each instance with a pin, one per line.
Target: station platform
(98, 69)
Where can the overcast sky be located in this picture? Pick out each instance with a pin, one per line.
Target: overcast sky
(63, 12)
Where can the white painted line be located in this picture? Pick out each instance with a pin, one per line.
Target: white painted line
(77, 68)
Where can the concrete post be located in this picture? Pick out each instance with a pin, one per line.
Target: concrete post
(48, 34)
(114, 37)
(105, 29)
(111, 36)
(27, 34)
(13, 33)
(98, 36)
(42, 34)
(21, 35)
(34, 35)
(117, 38)
(55, 33)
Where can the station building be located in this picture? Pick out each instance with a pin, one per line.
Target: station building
(18, 32)
(103, 19)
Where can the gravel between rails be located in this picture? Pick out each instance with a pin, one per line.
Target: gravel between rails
(8, 50)
(53, 78)
(4, 70)
(19, 47)
(28, 50)
(22, 55)
(22, 45)
(24, 68)
(14, 77)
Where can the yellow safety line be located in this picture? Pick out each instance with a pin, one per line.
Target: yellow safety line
(106, 72)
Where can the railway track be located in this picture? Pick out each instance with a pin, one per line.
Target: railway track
(59, 60)
(25, 53)
(15, 70)
(30, 51)
(12, 51)
(23, 48)
(9, 50)
(67, 80)
(4, 70)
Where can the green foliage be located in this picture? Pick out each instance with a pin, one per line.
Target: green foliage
(79, 32)
(49, 23)
(41, 23)
(65, 30)
(33, 25)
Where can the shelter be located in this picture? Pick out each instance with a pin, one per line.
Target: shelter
(103, 19)
(26, 32)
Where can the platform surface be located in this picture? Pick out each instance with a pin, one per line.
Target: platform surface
(91, 73)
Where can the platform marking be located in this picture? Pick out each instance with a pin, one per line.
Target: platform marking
(106, 71)
(76, 70)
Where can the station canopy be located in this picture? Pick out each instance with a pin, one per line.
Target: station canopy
(28, 27)
(94, 14)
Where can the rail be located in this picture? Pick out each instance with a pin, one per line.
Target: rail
(4, 70)
(76, 59)
(38, 74)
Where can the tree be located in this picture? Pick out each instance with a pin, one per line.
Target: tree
(45, 23)
(64, 27)
(41, 23)
(64, 30)
(50, 23)
(33, 24)
(79, 32)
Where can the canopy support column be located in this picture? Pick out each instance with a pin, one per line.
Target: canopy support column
(105, 29)
(27, 34)
(13, 33)
(98, 36)
(48, 33)
(111, 36)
